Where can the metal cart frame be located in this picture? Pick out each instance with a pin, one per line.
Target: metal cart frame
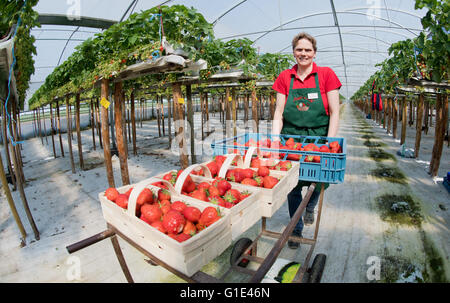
(249, 253)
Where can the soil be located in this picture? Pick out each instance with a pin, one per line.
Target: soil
(363, 241)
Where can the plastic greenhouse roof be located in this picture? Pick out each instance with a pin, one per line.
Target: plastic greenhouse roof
(352, 35)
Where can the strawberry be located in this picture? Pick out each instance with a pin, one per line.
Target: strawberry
(189, 228)
(290, 143)
(248, 173)
(199, 195)
(203, 185)
(255, 163)
(324, 149)
(163, 194)
(173, 221)
(245, 194)
(286, 164)
(198, 172)
(269, 182)
(192, 213)
(309, 158)
(316, 159)
(111, 194)
(216, 200)
(151, 213)
(182, 237)
(159, 226)
(233, 196)
(189, 186)
(122, 200)
(209, 215)
(213, 191)
(178, 205)
(160, 185)
(249, 181)
(263, 171)
(200, 226)
(165, 206)
(213, 168)
(238, 175)
(259, 181)
(293, 157)
(219, 160)
(146, 196)
(222, 185)
(171, 177)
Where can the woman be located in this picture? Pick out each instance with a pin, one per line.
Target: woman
(307, 104)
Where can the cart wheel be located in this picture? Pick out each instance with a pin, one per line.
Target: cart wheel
(239, 248)
(316, 269)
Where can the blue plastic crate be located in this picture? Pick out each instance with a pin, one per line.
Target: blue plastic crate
(331, 168)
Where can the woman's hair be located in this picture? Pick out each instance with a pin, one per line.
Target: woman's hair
(306, 36)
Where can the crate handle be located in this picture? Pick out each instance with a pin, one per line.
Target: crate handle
(182, 177)
(137, 189)
(227, 163)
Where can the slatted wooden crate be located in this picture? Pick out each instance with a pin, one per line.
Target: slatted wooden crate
(187, 257)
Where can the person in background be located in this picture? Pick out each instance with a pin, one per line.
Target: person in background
(307, 104)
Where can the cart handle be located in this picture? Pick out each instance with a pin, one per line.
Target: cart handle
(89, 241)
(273, 254)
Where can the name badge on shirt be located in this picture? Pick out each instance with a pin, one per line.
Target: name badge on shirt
(313, 96)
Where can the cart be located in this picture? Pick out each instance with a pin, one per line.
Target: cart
(244, 250)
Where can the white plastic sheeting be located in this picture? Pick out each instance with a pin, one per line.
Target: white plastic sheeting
(352, 35)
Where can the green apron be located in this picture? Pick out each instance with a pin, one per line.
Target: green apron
(311, 122)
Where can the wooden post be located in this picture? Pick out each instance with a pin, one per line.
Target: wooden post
(419, 125)
(389, 114)
(411, 110)
(39, 125)
(162, 116)
(7, 148)
(425, 116)
(133, 123)
(384, 112)
(78, 126)
(246, 104)
(272, 105)
(69, 134)
(439, 134)
(157, 114)
(128, 110)
(105, 133)
(91, 105)
(395, 118)
(59, 128)
(45, 128)
(120, 133)
(99, 122)
(52, 131)
(207, 112)
(190, 119)
(233, 106)
(8, 195)
(202, 113)
(179, 125)
(255, 112)
(170, 107)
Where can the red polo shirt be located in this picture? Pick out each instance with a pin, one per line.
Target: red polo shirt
(328, 81)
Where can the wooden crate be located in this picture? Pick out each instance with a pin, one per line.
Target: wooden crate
(242, 216)
(270, 199)
(187, 257)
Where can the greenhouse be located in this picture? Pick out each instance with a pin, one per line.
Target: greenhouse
(241, 141)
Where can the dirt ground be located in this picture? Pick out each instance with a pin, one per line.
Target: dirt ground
(372, 228)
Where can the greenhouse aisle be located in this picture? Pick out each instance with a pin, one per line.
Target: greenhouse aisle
(358, 228)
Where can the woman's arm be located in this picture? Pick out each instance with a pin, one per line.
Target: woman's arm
(277, 123)
(333, 108)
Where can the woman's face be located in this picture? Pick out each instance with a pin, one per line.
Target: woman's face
(304, 53)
